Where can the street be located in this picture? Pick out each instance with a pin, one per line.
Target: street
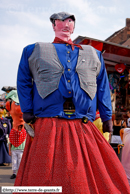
(5, 173)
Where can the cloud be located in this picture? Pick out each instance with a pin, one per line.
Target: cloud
(19, 29)
(24, 23)
(36, 16)
(11, 37)
(109, 9)
(85, 10)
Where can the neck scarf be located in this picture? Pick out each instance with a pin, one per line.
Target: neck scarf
(58, 40)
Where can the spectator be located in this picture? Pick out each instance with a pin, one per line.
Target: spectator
(17, 137)
(125, 158)
(128, 119)
(8, 116)
(5, 128)
(17, 140)
(118, 123)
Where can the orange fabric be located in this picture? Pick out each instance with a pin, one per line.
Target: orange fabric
(8, 105)
(17, 115)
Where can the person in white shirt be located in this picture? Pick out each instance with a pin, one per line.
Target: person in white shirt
(128, 120)
(125, 158)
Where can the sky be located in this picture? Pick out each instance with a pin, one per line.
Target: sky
(24, 22)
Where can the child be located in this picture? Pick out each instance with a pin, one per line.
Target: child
(17, 136)
(16, 146)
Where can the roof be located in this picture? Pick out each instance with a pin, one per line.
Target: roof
(115, 34)
(112, 53)
(127, 43)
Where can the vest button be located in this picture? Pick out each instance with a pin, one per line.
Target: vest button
(68, 80)
(66, 44)
(68, 69)
(69, 116)
(68, 60)
(69, 92)
(68, 51)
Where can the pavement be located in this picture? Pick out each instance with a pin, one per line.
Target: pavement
(5, 173)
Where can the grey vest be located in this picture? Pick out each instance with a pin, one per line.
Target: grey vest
(47, 69)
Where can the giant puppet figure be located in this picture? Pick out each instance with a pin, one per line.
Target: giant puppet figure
(59, 85)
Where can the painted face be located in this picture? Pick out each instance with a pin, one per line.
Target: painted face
(63, 28)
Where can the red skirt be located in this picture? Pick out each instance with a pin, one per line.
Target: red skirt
(73, 155)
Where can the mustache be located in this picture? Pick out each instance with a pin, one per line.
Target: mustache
(66, 29)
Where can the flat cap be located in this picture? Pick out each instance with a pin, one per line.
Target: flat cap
(61, 16)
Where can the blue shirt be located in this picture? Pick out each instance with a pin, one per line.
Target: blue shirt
(69, 87)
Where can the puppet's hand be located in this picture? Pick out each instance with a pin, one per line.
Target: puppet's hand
(107, 126)
(29, 117)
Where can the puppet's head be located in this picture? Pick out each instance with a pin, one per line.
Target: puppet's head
(12, 105)
(63, 24)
